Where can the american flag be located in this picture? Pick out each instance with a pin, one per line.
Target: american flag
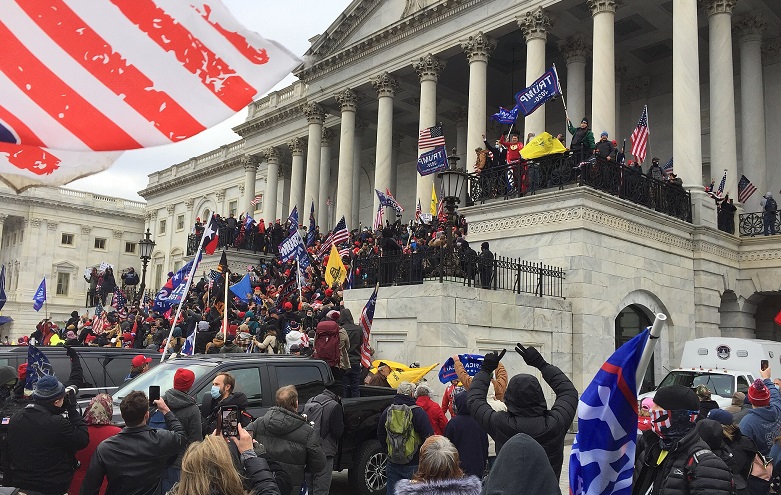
(431, 137)
(112, 76)
(640, 137)
(99, 323)
(667, 169)
(418, 211)
(720, 191)
(120, 300)
(745, 189)
(214, 276)
(98, 309)
(256, 200)
(338, 236)
(345, 252)
(377, 225)
(367, 318)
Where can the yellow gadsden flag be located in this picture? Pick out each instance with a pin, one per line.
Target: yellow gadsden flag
(412, 375)
(334, 270)
(434, 202)
(542, 145)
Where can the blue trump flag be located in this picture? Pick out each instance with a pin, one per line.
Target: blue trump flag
(37, 366)
(293, 219)
(3, 298)
(173, 291)
(471, 362)
(40, 295)
(242, 288)
(310, 234)
(542, 90)
(432, 161)
(504, 116)
(603, 455)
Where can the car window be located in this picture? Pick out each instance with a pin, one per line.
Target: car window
(742, 384)
(117, 368)
(162, 375)
(307, 379)
(247, 382)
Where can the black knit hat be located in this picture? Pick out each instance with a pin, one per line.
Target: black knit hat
(48, 388)
(677, 397)
(584, 120)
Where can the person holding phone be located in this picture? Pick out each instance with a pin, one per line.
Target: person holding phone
(185, 407)
(761, 423)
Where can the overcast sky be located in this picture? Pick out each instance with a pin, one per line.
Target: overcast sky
(290, 23)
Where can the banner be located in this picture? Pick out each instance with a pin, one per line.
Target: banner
(542, 145)
(432, 161)
(504, 116)
(543, 89)
(471, 362)
(290, 247)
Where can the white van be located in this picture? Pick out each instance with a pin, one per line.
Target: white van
(724, 364)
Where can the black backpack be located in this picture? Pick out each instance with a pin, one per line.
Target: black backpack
(771, 205)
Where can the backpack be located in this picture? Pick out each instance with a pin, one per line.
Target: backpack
(771, 205)
(314, 409)
(403, 441)
(327, 347)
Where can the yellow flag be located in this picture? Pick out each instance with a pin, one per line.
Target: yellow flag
(434, 202)
(542, 145)
(334, 270)
(413, 375)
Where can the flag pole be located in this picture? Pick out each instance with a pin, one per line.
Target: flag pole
(298, 280)
(563, 102)
(648, 350)
(225, 308)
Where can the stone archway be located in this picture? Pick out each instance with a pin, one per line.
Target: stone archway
(767, 307)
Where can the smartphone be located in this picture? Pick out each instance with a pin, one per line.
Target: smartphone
(764, 364)
(229, 421)
(154, 394)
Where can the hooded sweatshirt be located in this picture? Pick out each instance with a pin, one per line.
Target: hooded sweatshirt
(521, 463)
(762, 424)
(186, 410)
(469, 438)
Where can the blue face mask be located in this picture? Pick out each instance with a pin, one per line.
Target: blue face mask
(215, 392)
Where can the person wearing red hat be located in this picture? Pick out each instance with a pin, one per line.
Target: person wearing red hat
(139, 365)
(186, 410)
(761, 423)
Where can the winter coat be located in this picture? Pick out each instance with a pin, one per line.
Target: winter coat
(469, 438)
(294, 337)
(42, 447)
(581, 138)
(354, 333)
(210, 408)
(762, 424)
(676, 475)
(97, 433)
(712, 433)
(499, 379)
(344, 349)
(259, 477)
(434, 413)
(738, 416)
(706, 406)
(522, 463)
(468, 485)
(291, 441)
(527, 411)
(332, 425)
(268, 344)
(420, 423)
(185, 407)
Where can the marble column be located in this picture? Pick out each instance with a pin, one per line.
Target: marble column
(428, 68)
(296, 177)
(360, 127)
(272, 185)
(723, 145)
(459, 116)
(394, 186)
(250, 164)
(749, 30)
(3, 218)
(477, 49)
(314, 116)
(603, 90)
(575, 50)
(621, 71)
(347, 100)
(321, 208)
(386, 86)
(535, 25)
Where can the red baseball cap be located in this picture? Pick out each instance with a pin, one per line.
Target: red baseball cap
(140, 360)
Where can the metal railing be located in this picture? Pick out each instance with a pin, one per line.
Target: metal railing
(555, 172)
(232, 239)
(497, 273)
(753, 224)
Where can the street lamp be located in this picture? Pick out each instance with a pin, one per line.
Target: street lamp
(145, 247)
(453, 180)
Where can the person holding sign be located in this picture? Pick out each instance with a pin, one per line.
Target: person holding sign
(498, 380)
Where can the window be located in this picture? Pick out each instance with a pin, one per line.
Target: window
(233, 206)
(130, 247)
(180, 222)
(162, 228)
(67, 239)
(100, 243)
(158, 276)
(631, 321)
(177, 265)
(247, 382)
(307, 379)
(206, 216)
(62, 283)
(742, 384)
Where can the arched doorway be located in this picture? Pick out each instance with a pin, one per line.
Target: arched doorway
(632, 320)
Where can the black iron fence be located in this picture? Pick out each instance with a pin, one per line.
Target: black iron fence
(232, 238)
(760, 223)
(555, 172)
(467, 268)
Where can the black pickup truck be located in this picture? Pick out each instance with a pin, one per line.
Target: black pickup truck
(259, 376)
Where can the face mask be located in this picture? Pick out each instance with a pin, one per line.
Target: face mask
(672, 425)
(215, 392)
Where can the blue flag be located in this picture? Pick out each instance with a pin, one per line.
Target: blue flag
(504, 116)
(173, 291)
(3, 298)
(40, 295)
(432, 161)
(603, 455)
(188, 349)
(242, 288)
(471, 362)
(37, 366)
(310, 235)
(293, 219)
(542, 90)
(248, 221)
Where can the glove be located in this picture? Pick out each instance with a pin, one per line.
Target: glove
(531, 355)
(491, 361)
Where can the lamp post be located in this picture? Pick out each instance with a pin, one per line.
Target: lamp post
(452, 180)
(145, 247)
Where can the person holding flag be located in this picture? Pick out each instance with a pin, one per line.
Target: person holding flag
(582, 144)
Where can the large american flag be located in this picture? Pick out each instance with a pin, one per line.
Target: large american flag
(256, 200)
(120, 300)
(720, 190)
(377, 225)
(367, 318)
(431, 137)
(337, 236)
(116, 75)
(640, 137)
(745, 189)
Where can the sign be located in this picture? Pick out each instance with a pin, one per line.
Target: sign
(291, 246)
(471, 362)
(543, 89)
(432, 161)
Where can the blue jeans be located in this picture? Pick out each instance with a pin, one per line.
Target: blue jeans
(170, 478)
(396, 473)
(352, 381)
(769, 223)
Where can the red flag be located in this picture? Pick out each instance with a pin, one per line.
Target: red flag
(777, 319)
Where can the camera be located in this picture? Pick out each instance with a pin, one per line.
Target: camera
(71, 393)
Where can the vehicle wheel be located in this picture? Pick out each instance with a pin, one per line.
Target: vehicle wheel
(367, 476)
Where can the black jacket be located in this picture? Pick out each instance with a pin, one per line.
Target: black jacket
(527, 411)
(690, 468)
(187, 412)
(210, 408)
(420, 422)
(521, 467)
(737, 460)
(469, 438)
(134, 459)
(42, 447)
(355, 334)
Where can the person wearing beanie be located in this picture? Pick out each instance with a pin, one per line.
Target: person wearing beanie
(603, 149)
(737, 402)
(706, 403)
(42, 443)
(761, 423)
(675, 459)
(485, 265)
(582, 144)
(185, 408)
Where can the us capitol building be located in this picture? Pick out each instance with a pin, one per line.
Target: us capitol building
(709, 72)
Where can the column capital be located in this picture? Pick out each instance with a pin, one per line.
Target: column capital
(602, 6)
(713, 7)
(385, 85)
(478, 47)
(621, 70)
(170, 209)
(86, 229)
(271, 154)
(535, 24)
(153, 215)
(249, 162)
(638, 87)
(220, 194)
(459, 115)
(749, 27)
(575, 49)
(771, 51)
(328, 137)
(429, 67)
(3, 217)
(118, 234)
(52, 225)
(397, 138)
(32, 222)
(314, 113)
(347, 99)
(189, 203)
(296, 146)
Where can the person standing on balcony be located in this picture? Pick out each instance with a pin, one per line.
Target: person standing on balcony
(604, 148)
(769, 207)
(582, 144)
(655, 172)
(486, 264)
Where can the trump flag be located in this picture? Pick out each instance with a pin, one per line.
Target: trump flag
(603, 455)
(103, 77)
